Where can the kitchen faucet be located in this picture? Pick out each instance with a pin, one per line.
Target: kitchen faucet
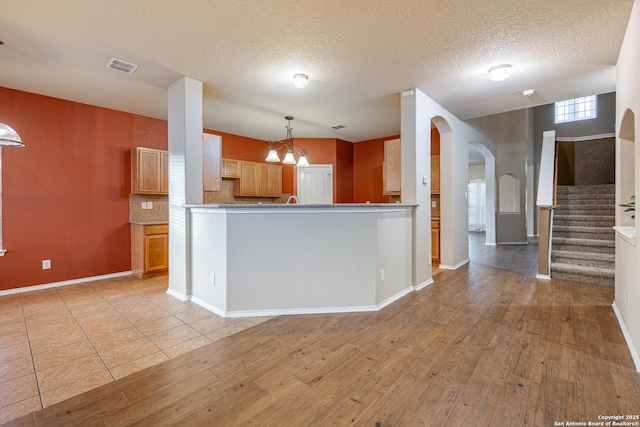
(293, 197)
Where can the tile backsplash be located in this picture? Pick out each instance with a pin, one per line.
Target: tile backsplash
(158, 212)
(225, 195)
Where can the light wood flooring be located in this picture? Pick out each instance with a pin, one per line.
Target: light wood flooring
(485, 345)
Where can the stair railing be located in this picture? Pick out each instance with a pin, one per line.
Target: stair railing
(546, 201)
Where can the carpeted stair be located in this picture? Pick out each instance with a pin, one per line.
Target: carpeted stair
(583, 243)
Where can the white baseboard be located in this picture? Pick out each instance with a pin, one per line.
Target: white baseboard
(627, 336)
(454, 267)
(490, 244)
(394, 298)
(543, 277)
(309, 310)
(181, 297)
(64, 283)
(423, 285)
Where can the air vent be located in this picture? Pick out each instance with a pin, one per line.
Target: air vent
(338, 126)
(120, 65)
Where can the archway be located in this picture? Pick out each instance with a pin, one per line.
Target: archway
(490, 192)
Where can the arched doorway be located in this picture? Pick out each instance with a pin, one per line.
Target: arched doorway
(478, 152)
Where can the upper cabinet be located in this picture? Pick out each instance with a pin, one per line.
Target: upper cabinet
(211, 162)
(149, 171)
(230, 168)
(257, 179)
(391, 171)
(435, 174)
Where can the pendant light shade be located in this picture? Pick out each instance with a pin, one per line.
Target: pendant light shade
(289, 159)
(9, 137)
(273, 156)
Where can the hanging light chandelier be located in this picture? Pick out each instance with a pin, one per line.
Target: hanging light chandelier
(9, 137)
(289, 158)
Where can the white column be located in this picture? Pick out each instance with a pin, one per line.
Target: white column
(416, 163)
(185, 178)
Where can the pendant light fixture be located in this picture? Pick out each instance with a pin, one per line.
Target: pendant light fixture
(289, 157)
(9, 137)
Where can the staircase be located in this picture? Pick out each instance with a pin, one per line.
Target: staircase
(583, 243)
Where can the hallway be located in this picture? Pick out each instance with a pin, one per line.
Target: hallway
(485, 345)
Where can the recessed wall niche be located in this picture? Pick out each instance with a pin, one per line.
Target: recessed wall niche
(628, 168)
(509, 193)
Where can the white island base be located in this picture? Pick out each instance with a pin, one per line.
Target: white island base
(259, 260)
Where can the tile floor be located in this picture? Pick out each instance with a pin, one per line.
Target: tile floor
(61, 342)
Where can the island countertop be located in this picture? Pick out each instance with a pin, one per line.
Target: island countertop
(302, 206)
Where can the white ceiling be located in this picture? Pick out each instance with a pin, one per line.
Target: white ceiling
(359, 55)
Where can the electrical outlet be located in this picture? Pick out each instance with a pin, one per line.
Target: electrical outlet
(213, 278)
(149, 205)
(382, 275)
(46, 264)
(144, 205)
(628, 299)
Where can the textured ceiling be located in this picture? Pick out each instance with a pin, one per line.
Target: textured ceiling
(359, 55)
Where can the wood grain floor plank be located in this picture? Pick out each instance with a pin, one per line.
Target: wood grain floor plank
(484, 345)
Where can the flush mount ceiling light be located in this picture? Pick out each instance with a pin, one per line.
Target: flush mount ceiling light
(289, 158)
(528, 92)
(500, 72)
(301, 80)
(9, 137)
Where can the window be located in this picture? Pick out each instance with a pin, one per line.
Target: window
(572, 110)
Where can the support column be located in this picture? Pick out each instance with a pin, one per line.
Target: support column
(185, 178)
(416, 164)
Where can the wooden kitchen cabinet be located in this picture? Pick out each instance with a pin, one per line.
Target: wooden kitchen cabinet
(435, 240)
(391, 170)
(435, 174)
(211, 162)
(149, 249)
(149, 171)
(270, 180)
(230, 168)
(258, 180)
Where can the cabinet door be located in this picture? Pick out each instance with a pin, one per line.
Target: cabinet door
(149, 171)
(157, 252)
(270, 180)
(211, 162)
(164, 172)
(249, 179)
(391, 169)
(230, 168)
(435, 244)
(435, 174)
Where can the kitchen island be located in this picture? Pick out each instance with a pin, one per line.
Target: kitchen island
(270, 259)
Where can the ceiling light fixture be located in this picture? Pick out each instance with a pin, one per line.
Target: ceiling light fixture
(291, 147)
(9, 137)
(500, 72)
(301, 81)
(528, 92)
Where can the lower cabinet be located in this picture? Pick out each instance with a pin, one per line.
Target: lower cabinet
(435, 240)
(149, 249)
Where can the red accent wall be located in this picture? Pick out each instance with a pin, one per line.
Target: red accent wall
(66, 193)
(367, 170)
(344, 171)
(435, 142)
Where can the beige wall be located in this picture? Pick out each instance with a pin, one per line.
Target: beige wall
(627, 302)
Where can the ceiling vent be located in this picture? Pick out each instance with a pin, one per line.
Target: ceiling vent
(338, 127)
(120, 65)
